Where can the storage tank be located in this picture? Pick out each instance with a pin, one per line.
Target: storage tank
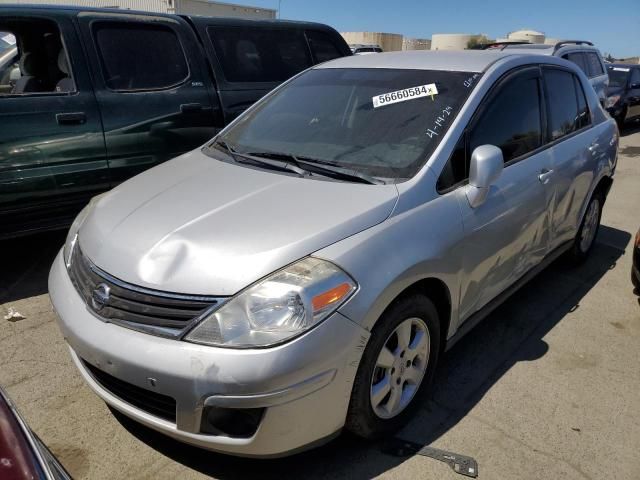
(452, 41)
(530, 36)
(389, 42)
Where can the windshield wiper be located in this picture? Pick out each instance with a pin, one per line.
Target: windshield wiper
(321, 167)
(253, 159)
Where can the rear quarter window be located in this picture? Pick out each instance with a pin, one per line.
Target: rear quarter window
(594, 65)
(137, 56)
(259, 54)
(323, 47)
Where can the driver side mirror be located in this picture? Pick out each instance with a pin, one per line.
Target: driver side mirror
(486, 166)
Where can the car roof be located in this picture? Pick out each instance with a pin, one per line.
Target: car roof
(460, 60)
(550, 49)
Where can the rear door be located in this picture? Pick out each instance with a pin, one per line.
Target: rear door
(52, 152)
(250, 59)
(151, 85)
(575, 149)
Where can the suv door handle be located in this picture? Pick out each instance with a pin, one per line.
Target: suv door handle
(75, 118)
(593, 148)
(190, 107)
(545, 175)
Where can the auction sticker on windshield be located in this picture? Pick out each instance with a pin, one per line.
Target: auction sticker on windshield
(403, 95)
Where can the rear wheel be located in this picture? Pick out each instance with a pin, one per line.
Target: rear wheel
(588, 231)
(396, 367)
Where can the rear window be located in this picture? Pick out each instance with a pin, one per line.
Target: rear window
(380, 122)
(594, 65)
(256, 54)
(562, 102)
(323, 47)
(140, 56)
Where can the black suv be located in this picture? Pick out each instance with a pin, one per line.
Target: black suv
(623, 94)
(91, 97)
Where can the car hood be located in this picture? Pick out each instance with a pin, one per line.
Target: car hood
(198, 225)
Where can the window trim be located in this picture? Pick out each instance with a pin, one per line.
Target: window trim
(550, 142)
(66, 51)
(482, 107)
(131, 24)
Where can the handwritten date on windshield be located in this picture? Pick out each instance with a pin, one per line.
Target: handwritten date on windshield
(440, 122)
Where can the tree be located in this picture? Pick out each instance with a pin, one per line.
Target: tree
(477, 42)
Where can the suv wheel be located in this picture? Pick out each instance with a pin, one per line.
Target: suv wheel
(396, 368)
(586, 236)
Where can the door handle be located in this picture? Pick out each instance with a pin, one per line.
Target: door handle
(190, 107)
(593, 148)
(75, 118)
(544, 176)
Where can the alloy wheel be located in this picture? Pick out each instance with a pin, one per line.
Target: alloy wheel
(590, 226)
(400, 368)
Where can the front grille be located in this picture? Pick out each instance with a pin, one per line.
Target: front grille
(147, 310)
(154, 403)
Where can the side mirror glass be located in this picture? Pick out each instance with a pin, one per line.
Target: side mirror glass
(486, 166)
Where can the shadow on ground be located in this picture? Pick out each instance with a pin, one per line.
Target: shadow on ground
(513, 333)
(25, 263)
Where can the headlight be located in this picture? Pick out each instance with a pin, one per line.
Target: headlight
(278, 308)
(611, 101)
(72, 235)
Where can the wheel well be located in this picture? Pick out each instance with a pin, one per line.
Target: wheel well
(603, 187)
(438, 292)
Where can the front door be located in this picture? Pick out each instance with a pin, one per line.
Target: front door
(52, 152)
(508, 234)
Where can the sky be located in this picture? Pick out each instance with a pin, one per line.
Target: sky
(613, 25)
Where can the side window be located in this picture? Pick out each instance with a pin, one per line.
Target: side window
(322, 47)
(594, 65)
(635, 78)
(584, 117)
(579, 59)
(562, 103)
(259, 54)
(136, 56)
(33, 59)
(511, 121)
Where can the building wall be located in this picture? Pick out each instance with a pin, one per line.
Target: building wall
(452, 41)
(193, 7)
(390, 42)
(219, 9)
(416, 44)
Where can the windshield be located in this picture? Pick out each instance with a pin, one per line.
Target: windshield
(378, 122)
(618, 76)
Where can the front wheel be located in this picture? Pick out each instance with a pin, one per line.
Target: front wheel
(586, 236)
(396, 367)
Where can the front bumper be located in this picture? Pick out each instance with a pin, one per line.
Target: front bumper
(304, 385)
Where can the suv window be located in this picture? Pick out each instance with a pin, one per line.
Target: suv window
(34, 60)
(594, 65)
(510, 120)
(635, 77)
(323, 47)
(140, 56)
(584, 117)
(579, 59)
(562, 103)
(259, 54)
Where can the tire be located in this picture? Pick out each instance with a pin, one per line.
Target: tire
(581, 248)
(620, 119)
(363, 418)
